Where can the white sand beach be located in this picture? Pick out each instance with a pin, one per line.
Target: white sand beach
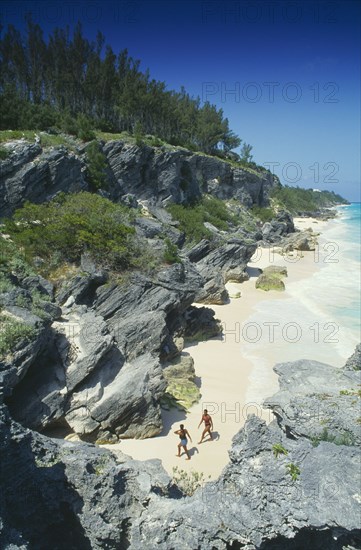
(234, 378)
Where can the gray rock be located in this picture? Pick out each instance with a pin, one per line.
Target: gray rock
(304, 240)
(163, 176)
(127, 407)
(281, 226)
(354, 362)
(200, 324)
(148, 228)
(38, 176)
(82, 287)
(89, 497)
(37, 282)
(222, 264)
(318, 401)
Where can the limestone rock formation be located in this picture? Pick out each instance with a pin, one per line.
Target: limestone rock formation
(279, 490)
(181, 390)
(223, 263)
(281, 226)
(318, 401)
(29, 173)
(271, 278)
(155, 175)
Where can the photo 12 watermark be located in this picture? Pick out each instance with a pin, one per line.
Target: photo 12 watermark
(292, 171)
(272, 332)
(240, 12)
(270, 92)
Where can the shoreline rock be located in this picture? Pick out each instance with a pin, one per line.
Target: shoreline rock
(90, 497)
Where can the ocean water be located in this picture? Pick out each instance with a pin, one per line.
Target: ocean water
(319, 318)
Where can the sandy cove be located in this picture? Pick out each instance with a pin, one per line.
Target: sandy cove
(227, 379)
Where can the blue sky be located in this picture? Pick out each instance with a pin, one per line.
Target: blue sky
(286, 74)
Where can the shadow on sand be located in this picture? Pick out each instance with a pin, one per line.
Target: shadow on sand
(253, 271)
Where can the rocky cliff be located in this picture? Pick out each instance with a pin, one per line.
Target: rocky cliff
(93, 363)
(281, 490)
(156, 175)
(96, 364)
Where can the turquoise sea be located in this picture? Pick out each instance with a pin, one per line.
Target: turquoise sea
(319, 316)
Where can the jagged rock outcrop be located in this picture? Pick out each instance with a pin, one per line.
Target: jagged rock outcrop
(281, 226)
(29, 173)
(354, 362)
(99, 373)
(217, 265)
(161, 175)
(304, 240)
(155, 175)
(319, 401)
(276, 492)
(65, 495)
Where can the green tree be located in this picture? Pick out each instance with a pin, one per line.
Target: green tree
(97, 166)
(246, 155)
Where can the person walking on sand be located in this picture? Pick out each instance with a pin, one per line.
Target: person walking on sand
(208, 425)
(183, 433)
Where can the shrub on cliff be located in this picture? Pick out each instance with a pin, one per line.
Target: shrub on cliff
(12, 332)
(96, 166)
(192, 217)
(69, 225)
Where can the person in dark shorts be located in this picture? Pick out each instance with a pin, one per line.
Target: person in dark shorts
(183, 433)
(208, 425)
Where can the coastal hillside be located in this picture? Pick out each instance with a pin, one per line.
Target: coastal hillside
(124, 213)
(103, 254)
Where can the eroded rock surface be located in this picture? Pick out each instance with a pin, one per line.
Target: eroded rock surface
(278, 490)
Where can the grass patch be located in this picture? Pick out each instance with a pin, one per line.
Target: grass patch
(293, 470)
(54, 140)
(12, 332)
(342, 439)
(10, 135)
(188, 482)
(278, 449)
(70, 225)
(4, 153)
(170, 254)
(263, 214)
(209, 209)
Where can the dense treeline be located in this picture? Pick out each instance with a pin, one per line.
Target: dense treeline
(51, 83)
(297, 199)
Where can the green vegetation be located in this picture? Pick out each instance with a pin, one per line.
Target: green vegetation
(278, 449)
(246, 155)
(351, 392)
(96, 165)
(12, 332)
(293, 470)
(345, 438)
(208, 209)
(61, 230)
(264, 214)
(4, 153)
(188, 482)
(69, 82)
(296, 199)
(170, 254)
(12, 262)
